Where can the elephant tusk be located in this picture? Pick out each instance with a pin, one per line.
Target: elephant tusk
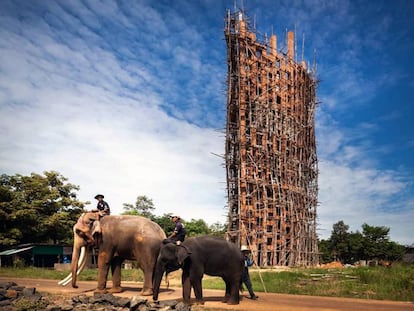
(81, 260)
(80, 267)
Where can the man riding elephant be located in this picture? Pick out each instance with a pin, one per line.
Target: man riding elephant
(123, 237)
(102, 207)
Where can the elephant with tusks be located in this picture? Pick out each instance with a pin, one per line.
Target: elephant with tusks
(122, 237)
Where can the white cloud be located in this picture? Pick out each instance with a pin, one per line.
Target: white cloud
(75, 108)
(352, 189)
(107, 96)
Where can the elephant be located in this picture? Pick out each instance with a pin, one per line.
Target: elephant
(198, 255)
(122, 237)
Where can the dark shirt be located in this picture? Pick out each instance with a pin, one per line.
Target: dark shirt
(247, 261)
(179, 232)
(102, 205)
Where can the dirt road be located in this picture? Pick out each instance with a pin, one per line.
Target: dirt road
(277, 302)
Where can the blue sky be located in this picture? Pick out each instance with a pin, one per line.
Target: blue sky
(127, 98)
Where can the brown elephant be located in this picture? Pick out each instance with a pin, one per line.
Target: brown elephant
(122, 237)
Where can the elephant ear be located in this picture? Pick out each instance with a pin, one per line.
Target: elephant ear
(182, 253)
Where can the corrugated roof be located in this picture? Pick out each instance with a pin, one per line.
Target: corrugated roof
(14, 251)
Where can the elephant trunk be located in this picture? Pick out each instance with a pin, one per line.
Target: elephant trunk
(74, 266)
(79, 257)
(156, 283)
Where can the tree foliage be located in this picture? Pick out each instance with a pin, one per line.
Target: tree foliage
(165, 223)
(340, 240)
(144, 206)
(218, 229)
(349, 247)
(196, 227)
(37, 208)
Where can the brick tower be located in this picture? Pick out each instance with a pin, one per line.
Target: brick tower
(271, 161)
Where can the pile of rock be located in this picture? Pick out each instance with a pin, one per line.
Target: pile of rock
(15, 298)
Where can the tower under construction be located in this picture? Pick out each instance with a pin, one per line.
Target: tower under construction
(271, 161)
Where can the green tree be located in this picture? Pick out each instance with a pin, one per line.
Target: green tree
(375, 241)
(324, 250)
(349, 247)
(394, 251)
(340, 241)
(355, 247)
(196, 227)
(218, 229)
(165, 223)
(143, 207)
(37, 208)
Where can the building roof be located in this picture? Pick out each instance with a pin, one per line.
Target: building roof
(14, 251)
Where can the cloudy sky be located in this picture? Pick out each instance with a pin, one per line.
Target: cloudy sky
(127, 98)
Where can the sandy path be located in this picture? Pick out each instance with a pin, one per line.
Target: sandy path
(278, 302)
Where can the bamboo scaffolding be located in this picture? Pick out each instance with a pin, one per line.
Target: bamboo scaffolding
(271, 162)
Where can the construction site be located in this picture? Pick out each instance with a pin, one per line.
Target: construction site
(270, 151)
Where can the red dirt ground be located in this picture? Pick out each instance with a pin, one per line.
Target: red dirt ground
(269, 301)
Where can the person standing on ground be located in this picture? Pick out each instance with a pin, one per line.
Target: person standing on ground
(179, 232)
(248, 262)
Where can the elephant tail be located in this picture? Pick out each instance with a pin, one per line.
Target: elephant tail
(241, 289)
(167, 281)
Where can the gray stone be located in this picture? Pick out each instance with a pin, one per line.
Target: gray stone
(5, 303)
(53, 308)
(28, 291)
(123, 302)
(181, 306)
(17, 288)
(137, 300)
(82, 299)
(66, 306)
(81, 307)
(143, 307)
(7, 285)
(3, 293)
(170, 303)
(103, 298)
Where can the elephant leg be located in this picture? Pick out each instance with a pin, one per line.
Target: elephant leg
(198, 290)
(233, 290)
(148, 269)
(186, 283)
(116, 264)
(103, 269)
(227, 294)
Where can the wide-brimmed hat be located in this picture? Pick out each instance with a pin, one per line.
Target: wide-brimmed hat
(99, 196)
(244, 248)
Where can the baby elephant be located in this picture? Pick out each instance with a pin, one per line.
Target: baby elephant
(198, 255)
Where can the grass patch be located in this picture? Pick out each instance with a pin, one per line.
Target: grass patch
(395, 283)
(133, 275)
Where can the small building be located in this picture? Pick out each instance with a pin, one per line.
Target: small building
(37, 255)
(408, 257)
